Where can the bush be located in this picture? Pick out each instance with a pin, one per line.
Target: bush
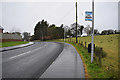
(99, 54)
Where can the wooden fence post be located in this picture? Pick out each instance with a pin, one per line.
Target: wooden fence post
(101, 52)
(81, 43)
(85, 44)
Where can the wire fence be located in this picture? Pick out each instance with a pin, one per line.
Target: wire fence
(106, 50)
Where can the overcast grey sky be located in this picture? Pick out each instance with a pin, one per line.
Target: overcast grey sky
(23, 16)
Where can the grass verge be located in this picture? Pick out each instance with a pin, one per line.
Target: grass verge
(110, 44)
(93, 70)
(8, 44)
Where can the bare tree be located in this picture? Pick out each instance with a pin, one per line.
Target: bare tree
(26, 36)
(96, 32)
(79, 28)
(88, 30)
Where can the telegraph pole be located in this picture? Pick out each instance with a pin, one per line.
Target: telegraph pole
(64, 34)
(92, 48)
(76, 23)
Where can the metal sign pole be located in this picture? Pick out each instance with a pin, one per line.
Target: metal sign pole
(92, 48)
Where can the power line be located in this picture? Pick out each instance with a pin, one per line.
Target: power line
(66, 15)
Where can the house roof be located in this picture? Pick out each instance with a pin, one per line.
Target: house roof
(1, 27)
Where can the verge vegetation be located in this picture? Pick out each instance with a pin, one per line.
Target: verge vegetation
(105, 64)
(8, 44)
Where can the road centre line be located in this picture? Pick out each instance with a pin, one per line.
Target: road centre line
(26, 53)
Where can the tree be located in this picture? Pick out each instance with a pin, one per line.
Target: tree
(110, 31)
(32, 38)
(40, 30)
(104, 32)
(96, 32)
(69, 33)
(117, 31)
(18, 33)
(61, 26)
(79, 29)
(107, 32)
(55, 32)
(43, 31)
(26, 36)
(88, 30)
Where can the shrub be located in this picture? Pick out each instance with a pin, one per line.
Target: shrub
(99, 54)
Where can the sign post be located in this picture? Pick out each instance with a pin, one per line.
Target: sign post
(89, 16)
(92, 48)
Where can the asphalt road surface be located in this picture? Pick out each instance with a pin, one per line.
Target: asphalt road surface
(67, 65)
(31, 61)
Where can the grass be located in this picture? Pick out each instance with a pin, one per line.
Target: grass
(109, 43)
(91, 70)
(8, 44)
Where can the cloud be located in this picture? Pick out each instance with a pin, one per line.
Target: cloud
(58, 0)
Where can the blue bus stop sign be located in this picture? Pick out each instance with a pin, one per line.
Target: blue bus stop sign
(88, 16)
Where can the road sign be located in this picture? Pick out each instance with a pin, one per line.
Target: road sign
(88, 16)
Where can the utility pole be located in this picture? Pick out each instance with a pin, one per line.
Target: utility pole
(64, 34)
(76, 23)
(42, 35)
(92, 48)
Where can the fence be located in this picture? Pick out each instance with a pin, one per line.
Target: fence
(99, 54)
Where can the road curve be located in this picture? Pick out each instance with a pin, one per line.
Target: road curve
(31, 61)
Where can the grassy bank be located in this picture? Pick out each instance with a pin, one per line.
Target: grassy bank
(8, 44)
(109, 68)
(109, 43)
(91, 70)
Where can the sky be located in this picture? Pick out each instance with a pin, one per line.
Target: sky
(119, 16)
(23, 15)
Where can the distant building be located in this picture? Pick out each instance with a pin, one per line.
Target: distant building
(4, 37)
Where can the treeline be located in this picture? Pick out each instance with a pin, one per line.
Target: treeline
(107, 32)
(44, 31)
(88, 31)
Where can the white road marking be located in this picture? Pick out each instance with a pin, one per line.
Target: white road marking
(26, 53)
(20, 55)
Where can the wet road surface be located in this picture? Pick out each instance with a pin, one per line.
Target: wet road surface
(43, 60)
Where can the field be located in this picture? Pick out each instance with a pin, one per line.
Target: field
(8, 44)
(109, 43)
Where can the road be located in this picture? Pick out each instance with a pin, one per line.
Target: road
(67, 65)
(31, 61)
